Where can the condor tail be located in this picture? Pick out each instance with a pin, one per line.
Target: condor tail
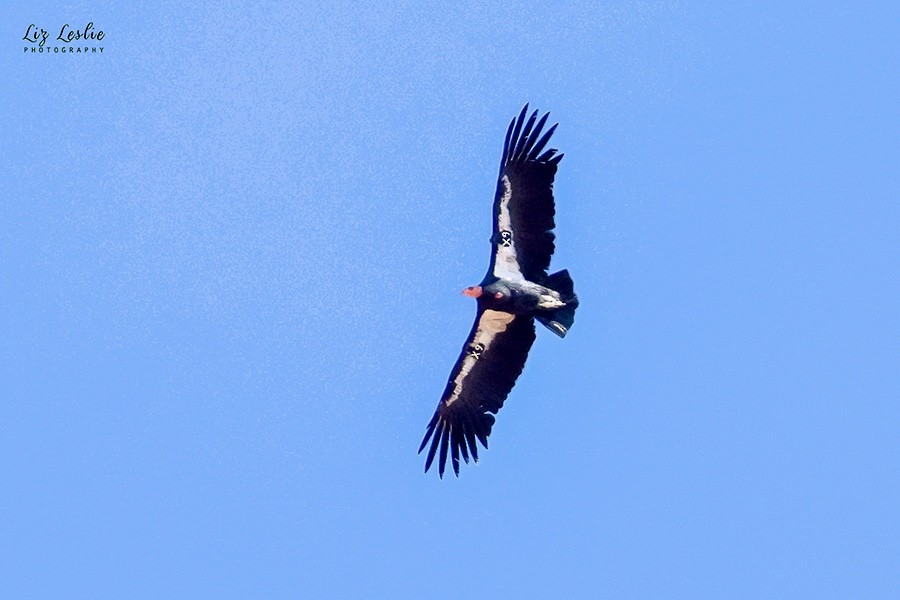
(560, 320)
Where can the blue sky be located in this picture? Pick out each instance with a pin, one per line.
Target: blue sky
(232, 248)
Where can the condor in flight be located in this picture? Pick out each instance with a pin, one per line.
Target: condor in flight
(515, 291)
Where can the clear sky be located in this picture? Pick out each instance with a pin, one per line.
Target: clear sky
(231, 249)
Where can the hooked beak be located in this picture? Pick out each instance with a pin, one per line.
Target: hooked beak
(472, 291)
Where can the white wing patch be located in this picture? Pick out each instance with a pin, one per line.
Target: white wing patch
(491, 323)
(506, 263)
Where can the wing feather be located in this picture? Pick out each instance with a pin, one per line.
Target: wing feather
(539, 145)
(461, 442)
(518, 128)
(486, 371)
(509, 131)
(523, 138)
(445, 436)
(470, 439)
(434, 442)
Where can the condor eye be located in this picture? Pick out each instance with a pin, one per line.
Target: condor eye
(498, 295)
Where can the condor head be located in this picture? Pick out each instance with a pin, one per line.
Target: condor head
(476, 291)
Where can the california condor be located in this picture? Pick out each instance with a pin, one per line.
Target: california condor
(515, 291)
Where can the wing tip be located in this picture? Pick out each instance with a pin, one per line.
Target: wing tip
(524, 141)
(450, 441)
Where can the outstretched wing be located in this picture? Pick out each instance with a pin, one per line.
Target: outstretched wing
(522, 241)
(484, 374)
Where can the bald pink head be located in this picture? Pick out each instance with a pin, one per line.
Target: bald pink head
(473, 291)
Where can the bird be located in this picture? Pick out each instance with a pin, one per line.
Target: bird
(515, 291)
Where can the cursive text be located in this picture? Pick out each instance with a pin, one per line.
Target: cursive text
(34, 33)
(77, 34)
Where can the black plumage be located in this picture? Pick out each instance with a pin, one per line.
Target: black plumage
(531, 207)
(515, 290)
(496, 370)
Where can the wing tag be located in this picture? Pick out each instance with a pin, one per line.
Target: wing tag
(475, 350)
